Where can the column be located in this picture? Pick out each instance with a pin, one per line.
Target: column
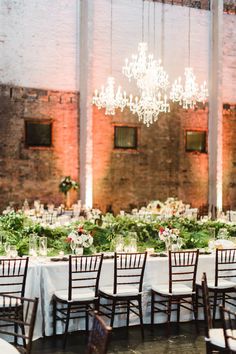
(86, 117)
(215, 107)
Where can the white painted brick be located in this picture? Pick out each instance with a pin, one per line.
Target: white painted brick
(39, 42)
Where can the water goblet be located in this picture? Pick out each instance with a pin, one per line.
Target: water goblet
(7, 248)
(73, 246)
(13, 252)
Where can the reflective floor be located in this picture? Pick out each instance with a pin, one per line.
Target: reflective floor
(184, 341)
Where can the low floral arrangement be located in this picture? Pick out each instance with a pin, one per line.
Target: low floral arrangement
(168, 233)
(80, 237)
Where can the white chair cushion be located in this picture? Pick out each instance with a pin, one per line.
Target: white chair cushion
(123, 290)
(222, 284)
(77, 295)
(216, 336)
(177, 289)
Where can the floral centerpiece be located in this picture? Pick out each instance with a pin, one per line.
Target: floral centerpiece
(65, 186)
(80, 238)
(170, 237)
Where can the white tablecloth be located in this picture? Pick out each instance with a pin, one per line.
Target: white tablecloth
(45, 278)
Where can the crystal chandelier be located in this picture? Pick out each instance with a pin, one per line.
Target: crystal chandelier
(109, 99)
(148, 107)
(190, 93)
(139, 64)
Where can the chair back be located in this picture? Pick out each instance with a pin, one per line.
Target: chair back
(206, 305)
(13, 272)
(129, 270)
(17, 320)
(228, 319)
(225, 264)
(84, 273)
(183, 268)
(98, 337)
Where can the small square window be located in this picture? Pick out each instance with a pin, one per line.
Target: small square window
(125, 137)
(38, 134)
(196, 141)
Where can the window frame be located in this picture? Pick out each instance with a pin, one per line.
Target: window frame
(40, 122)
(205, 151)
(128, 148)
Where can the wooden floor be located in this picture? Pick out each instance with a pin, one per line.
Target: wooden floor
(184, 341)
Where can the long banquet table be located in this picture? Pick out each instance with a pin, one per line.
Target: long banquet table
(45, 278)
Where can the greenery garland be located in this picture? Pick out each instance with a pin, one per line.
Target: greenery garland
(15, 228)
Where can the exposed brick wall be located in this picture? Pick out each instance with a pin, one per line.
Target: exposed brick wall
(159, 169)
(36, 172)
(229, 159)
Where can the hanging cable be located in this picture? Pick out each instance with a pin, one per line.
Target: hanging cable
(154, 28)
(189, 33)
(111, 39)
(142, 20)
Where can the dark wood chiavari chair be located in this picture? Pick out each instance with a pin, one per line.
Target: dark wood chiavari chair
(13, 272)
(229, 327)
(222, 287)
(99, 336)
(214, 337)
(17, 320)
(82, 293)
(125, 295)
(180, 290)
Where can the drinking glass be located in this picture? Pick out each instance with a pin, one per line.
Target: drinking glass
(7, 248)
(73, 246)
(33, 245)
(43, 246)
(12, 252)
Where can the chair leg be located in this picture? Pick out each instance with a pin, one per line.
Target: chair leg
(178, 311)
(195, 311)
(152, 308)
(66, 326)
(169, 304)
(141, 315)
(113, 310)
(208, 348)
(128, 312)
(86, 318)
(197, 301)
(214, 306)
(54, 314)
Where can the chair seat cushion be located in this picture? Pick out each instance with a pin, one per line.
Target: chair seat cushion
(222, 284)
(124, 290)
(216, 336)
(177, 289)
(77, 295)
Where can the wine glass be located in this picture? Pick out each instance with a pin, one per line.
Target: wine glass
(7, 248)
(73, 246)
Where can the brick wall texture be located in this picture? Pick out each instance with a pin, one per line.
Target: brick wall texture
(34, 173)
